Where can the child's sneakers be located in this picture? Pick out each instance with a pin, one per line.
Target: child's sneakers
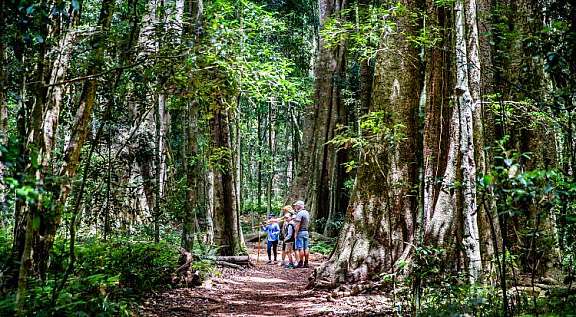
(289, 266)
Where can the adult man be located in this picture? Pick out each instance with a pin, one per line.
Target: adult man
(302, 221)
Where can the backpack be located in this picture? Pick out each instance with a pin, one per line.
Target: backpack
(286, 233)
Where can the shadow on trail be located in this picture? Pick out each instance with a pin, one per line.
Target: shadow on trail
(263, 290)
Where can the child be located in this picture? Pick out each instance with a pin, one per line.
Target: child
(272, 231)
(289, 240)
(286, 210)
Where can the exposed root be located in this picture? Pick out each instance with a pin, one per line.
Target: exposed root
(355, 289)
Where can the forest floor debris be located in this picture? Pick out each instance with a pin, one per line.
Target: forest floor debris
(263, 290)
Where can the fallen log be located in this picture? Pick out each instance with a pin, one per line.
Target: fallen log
(237, 262)
(236, 259)
(254, 237)
(230, 265)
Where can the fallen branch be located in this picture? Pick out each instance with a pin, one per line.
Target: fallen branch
(230, 265)
(240, 259)
(253, 237)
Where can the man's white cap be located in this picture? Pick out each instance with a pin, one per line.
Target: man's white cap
(298, 203)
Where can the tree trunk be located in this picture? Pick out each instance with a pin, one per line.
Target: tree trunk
(227, 236)
(379, 227)
(313, 181)
(192, 169)
(450, 204)
(209, 185)
(484, 134)
(466, 107)
(50, 221)
(3, 114)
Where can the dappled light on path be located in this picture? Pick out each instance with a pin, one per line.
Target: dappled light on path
(261, 280)
(264, 290)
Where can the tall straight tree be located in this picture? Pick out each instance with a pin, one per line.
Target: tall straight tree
(3, 110)
(191, 19)
(227, 235)
(466, 108)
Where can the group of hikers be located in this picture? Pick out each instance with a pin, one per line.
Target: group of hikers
(291, 230)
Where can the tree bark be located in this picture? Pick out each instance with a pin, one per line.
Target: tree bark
(227, 236)
(466, 107)
(3, 112)
(192, 169)
(315, 180)
(50, 221)
(379, 227)
(209, 176)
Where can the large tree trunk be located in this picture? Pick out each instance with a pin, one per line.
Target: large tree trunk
(441, 135)
(227, 236)
(316, 181)
(192, 12)
(192, 170)
(379, 227)
(484, 133)
(450, 204)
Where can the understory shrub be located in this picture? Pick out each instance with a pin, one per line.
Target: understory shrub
(322, 247)
(108, 278)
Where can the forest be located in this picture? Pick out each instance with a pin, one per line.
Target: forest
(146, 144)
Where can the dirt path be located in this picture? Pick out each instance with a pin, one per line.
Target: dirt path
(264, 290)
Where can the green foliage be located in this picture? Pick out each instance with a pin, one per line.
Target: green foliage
(444, 3)
(108, 278)
(456, 298)
(220, 158)
(361, 27)
(439, 291)
(331, 226)
(322, 247)
(5, 247)
(376, 130)
(141, 266)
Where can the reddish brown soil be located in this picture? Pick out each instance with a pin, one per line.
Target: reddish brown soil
(264, 290)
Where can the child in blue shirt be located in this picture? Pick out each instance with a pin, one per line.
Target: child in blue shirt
(272, 231)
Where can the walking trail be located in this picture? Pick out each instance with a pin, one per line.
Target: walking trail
(263, 290)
